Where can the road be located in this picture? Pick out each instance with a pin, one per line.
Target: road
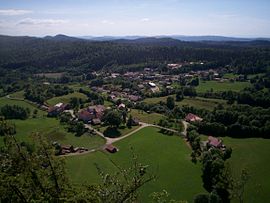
(113, 140)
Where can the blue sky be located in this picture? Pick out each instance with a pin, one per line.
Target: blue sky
(242, 18)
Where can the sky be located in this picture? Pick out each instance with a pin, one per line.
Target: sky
(238, 18)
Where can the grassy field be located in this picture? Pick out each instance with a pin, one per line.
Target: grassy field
(172, 165)
(152, 118)
(202, 103)
(51, 75)
(122, 130)
(5, 101)
(17, 95)
(66, 98)
(254, 155)
(78, 86)
(54, 132)
(197, 102)
(205, 86)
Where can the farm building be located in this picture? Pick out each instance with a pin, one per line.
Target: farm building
(214, 142)
(57, 109)
(192, 118)
(110, 148)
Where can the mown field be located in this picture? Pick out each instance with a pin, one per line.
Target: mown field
(167, 156)
(66, 98)
(197, 102)
(51, 129)
(216, 86)
(254, 155)
(152, 118)
(25, 104)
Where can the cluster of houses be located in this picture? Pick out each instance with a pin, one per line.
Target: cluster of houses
(68, 149)
(57, 109)
(212, 142)
(92, 114)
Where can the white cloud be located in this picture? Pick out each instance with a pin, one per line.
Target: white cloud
(145, 19)
(14, 12)
(31, 21)
(107, 22)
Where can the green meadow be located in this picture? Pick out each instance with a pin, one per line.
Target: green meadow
(66, 98)
(51, 129)
(252, 154)
(152, 118)
(197, 102)
(217, 86)
(168, 158)
(25, 104)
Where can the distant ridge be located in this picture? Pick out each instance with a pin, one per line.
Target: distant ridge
(177, 37)
(61, 37)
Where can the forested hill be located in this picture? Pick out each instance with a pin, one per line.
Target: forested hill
(63, 52)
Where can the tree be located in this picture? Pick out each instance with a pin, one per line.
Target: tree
(6, 128)
(170, 102)
(124, 116)
(179, 96)
(36, 175)
(129, 121)
(113, 118)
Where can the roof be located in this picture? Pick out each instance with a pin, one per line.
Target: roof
(193, 117)
(58, 105)
(213, 141)
(111, 148)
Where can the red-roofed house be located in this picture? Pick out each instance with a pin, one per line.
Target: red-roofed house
(192, 118)
(110, 148)
(85, 116)
(214, 142)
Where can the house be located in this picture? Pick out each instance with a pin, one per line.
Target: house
(152, 85)
(192, 118)
(97, 110)
(85, 116)
(214, 142)
(110, 148)
(57, 109)
(121, 106)
(134, 98)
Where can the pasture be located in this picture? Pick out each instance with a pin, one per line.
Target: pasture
(252, 154)
(51, 129)
(217, 86)
(152, 118)
(66, 98)
(197, 102)
(168, 157)
(25, 104)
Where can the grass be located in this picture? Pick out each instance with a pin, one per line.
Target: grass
(51, 75)
(66, 98)
(122, 130)
(32, 107)
(216, 86)
(17, 95)
(146, 117)
(54, 132)
(155, 100)
(78, 86)
(197, 102)
(108, 103)
(230, 76)
(252, 154)
(202, 103)
(167, 157)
